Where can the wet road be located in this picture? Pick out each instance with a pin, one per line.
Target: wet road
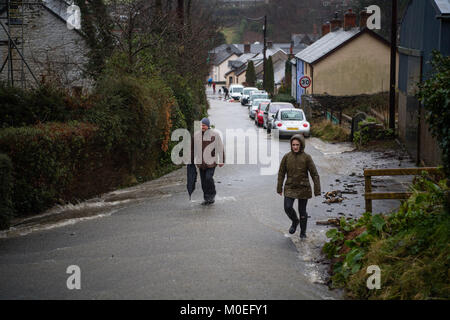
(151, 242)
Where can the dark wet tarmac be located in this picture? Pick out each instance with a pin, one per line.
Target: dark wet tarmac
(151, 242)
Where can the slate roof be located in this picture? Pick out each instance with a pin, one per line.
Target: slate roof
(269, 52)
(221, 53)
(326, 44)
(58, 8)
(254, 47)
(240, 64)
(304, 38)
(443, 6)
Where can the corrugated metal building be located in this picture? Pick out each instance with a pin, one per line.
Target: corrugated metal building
(425, 27)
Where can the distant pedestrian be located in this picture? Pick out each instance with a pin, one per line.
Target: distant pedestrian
(207, 168)
(214, 87)
(225, 91)
(296, 165)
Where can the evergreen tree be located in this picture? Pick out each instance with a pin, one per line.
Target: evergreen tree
(250, 76)
(96, 27)
(269, 77)
(288, 76)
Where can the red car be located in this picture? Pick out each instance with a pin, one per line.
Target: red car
(259, 116)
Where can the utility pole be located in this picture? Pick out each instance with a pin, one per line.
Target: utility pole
(264, 51)
(393, 66)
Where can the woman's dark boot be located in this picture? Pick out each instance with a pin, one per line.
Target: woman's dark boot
(303, 223)
(294, 226)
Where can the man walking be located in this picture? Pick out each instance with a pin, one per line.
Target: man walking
(225, 91)
(207, 163)
(296, 165)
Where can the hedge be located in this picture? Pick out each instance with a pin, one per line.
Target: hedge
(48, 160)
(21, 107)
(122, 138)
(284, 98)
(6, 210)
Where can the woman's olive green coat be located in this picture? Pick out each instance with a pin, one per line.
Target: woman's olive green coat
(297, 166)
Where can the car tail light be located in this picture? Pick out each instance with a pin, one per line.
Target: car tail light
(305, 125)
(279, 124)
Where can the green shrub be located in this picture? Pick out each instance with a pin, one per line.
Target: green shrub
(19, 107)
(435, 95)
(134, 117)
(284, 98)
(368, 133)
(410, 246)
(6, 210)
(46, 161)
(191, 99)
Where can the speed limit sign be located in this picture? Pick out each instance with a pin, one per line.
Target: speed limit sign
(305, 82)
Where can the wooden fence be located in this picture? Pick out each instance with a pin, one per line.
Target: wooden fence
(368, 174)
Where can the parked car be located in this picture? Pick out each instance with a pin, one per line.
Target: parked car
(235, 91)
(255, 106)
(259, 116)
(246, 95)
(257, 95)
(289, 122)
(270, 112)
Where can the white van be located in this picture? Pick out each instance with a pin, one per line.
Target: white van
(235, 91)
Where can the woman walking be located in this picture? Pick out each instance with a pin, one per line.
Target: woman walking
(296, 165)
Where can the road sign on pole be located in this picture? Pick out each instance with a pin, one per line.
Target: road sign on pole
(305, 82)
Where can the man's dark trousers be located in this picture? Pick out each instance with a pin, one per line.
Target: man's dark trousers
(208, 187)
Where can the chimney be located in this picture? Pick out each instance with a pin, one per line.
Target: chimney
(269, 44)
(326, 28)
(363, 17)
(247, 47)
(229, 49)
(349, 20)
(336, 24)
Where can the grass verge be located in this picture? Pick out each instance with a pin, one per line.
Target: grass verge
(327, 131)
(411, 248)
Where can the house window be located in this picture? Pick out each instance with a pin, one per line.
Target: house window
(231, 80)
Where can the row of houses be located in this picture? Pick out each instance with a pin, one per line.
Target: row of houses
(353, 60)
(349, 60)
(229, 61)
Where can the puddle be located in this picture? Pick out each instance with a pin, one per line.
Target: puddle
(24, 230)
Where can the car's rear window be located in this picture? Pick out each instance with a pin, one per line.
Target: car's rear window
(260, 96)
(256, 103)
(247, 91)
(293, 115)
(237, 89)
(275, 107)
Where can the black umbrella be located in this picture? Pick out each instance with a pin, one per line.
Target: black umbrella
(191, 178)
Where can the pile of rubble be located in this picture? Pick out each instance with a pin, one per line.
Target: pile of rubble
(334, 197)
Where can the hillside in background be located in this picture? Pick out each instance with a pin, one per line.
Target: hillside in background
(286, 17)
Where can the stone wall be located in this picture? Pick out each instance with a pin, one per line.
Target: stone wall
(52, 50)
